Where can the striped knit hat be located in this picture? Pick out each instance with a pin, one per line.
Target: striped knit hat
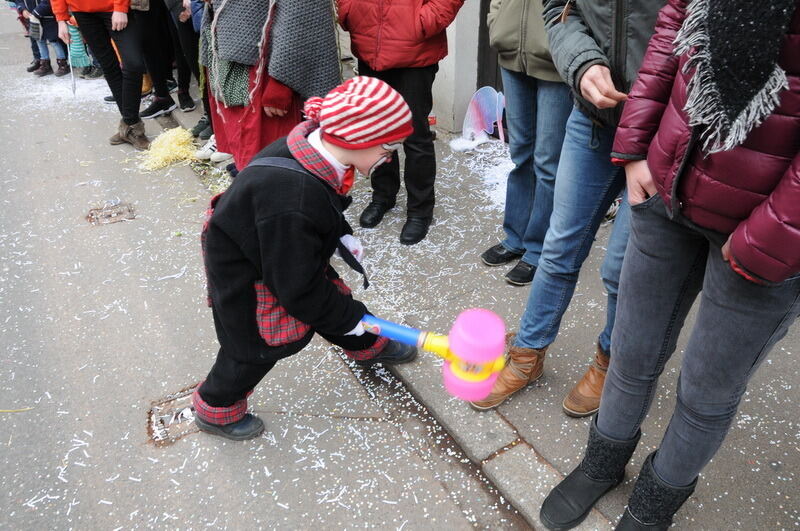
(360, 113)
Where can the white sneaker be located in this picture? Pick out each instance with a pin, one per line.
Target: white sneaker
(219, 156)
(208, 150)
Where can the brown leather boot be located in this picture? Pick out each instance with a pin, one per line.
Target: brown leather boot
(117, 138)
(45, 68)
(523, 366)
(134, 135)
(584, 399)
(63, 67)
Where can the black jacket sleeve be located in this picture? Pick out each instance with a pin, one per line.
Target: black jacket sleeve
(292, 259)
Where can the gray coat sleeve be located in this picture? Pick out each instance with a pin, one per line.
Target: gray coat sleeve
(572, 45)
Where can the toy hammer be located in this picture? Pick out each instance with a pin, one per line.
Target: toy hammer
(472, 351)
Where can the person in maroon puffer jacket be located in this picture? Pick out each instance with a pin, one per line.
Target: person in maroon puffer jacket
(710, 140)
(401, 42)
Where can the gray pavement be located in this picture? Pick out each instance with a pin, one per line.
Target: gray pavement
(99, 322)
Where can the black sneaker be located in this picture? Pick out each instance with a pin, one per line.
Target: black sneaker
(247, 428)
(206, 133)
(172, 85)
(201, 125)
(109, 99)
(394, 353)
(498, 255)
(158, 107)
(521, 275)
(93, 72)
(186, 102)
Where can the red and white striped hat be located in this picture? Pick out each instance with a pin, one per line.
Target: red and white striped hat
(361, 112)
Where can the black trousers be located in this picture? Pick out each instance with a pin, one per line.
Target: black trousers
(231, 378)
(157, 45)
(188, 62)
(125, 81)
(415, 85)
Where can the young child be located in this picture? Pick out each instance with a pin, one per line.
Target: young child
(267, 245)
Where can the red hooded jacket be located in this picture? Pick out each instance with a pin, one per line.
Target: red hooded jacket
(389, 34)
(751, 191)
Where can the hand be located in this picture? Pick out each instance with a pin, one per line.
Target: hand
(353, 245)
(726, 249)
(273, 112)
(357, 331)
(187, 5)
(26, 14)
(63, 31)
(598, 88)
(185, 15)
(119, 21)
(640, 182)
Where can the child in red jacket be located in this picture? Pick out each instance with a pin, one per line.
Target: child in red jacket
(402, 42)
(268, 242)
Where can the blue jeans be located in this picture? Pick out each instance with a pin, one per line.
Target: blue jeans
(536, 112)
(586, 184)
(44, 52)
(669, 263)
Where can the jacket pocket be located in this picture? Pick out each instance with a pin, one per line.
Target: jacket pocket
(504, 32)
(275, 326)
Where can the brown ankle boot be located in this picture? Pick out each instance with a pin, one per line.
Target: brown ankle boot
(63, 67)
(584, 399)
(117, 138)
(45, 69)
(134, 135)
(523, 366)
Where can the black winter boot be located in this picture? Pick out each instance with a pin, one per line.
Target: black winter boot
(653, 503)
(602, 469)
(33, 66)
(248, 428)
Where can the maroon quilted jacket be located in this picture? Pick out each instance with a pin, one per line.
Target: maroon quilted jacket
(751, 191)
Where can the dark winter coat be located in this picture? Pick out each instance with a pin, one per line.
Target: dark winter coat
(398, 33)
(613, 33)
(751, 191)
(43, 11)
(277, 229)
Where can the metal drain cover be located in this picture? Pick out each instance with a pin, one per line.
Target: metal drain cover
(172, 417)
(111, 212)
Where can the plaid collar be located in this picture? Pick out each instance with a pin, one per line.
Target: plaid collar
(311, 160)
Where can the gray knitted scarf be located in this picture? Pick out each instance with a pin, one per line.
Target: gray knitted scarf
(737, 79)
(301, 51)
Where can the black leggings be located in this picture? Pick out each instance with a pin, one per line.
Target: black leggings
(157, 45)
(125, 81)
(189, 43)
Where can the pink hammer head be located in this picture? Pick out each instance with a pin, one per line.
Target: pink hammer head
(477, 338)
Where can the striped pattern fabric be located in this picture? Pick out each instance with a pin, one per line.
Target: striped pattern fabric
(363, 112)
(77, 49)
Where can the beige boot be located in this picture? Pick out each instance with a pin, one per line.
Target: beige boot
(134, 135)
(523, 366)
(117, 138)
(584, 399)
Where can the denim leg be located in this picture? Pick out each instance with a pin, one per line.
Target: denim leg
(35, 48)
(738, 323)
(44, 52)
(612, 267)
(60, 48)
(586, 184)
(661, 276)
(521, 106)
(553, 107)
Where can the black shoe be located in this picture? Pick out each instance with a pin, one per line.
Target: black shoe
(247, 428)
(232, 171)
(653, 503)
(33, 66)
(201, 126)
(415, 230)
(172, 85)
(109, 99)
(498, 255)
(521, 274)
(373, 214)
(394, 353)
(158, 107)
(206, 133)
(93, 72)
(602, 469)
(186, 102)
